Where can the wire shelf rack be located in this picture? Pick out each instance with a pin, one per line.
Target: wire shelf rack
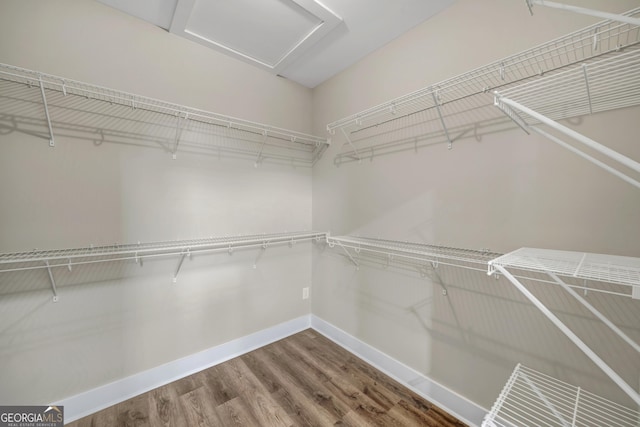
(419, 252)
(135, 251)
(48, 105)
(462, 106)
(600, 86)
(67, 258)
(598, 267)
(531, 398)
(421, 255)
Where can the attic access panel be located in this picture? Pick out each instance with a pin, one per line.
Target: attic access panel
(269, 33)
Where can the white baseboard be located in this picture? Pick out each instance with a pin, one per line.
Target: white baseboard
(86, 403)
(91, 401)
(450, 401)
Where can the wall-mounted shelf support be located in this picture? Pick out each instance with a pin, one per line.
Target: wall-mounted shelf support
(350, 256)
(179, 127)
(623, 271)
(612, 154)
(53, 282)
(46, 112)
(184, 254)
(263, 249)
(630, 391)
(436, 102)
(584, 11)
(595, 312)
(586, 84)
(355, 150)
(259, 158)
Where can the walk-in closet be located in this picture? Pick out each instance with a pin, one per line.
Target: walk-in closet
(304, 213)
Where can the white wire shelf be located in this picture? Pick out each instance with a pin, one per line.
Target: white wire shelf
(608, 269)
(599, 86)
(66, 258)
(420, 255)
(48, 105)
(531, 398)
(462, 105)
(604, 85)
(418, 252)
(598, 267)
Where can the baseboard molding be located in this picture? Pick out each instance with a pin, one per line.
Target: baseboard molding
(91, 401)
(86, 403)
(450, 401)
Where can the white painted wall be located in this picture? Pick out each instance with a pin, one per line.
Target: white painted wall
(114, 320)
(503, 192)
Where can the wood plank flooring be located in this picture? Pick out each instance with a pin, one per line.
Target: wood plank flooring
(302, 380)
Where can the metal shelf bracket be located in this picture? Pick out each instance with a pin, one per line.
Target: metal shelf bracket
(586, 83)
(612, 154)
(264, 140)
(630, 391)
(182, 256)
(179, 127)
(263, 249)
(355, 150)
(46, 112)
(436, 102)
(350, 256)
(53, 282)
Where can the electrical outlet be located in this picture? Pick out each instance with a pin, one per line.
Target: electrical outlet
(305, 293)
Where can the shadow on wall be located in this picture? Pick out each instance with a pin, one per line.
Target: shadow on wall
(475, 327)
(115, 319)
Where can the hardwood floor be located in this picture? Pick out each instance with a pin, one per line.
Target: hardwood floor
(302, 380)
